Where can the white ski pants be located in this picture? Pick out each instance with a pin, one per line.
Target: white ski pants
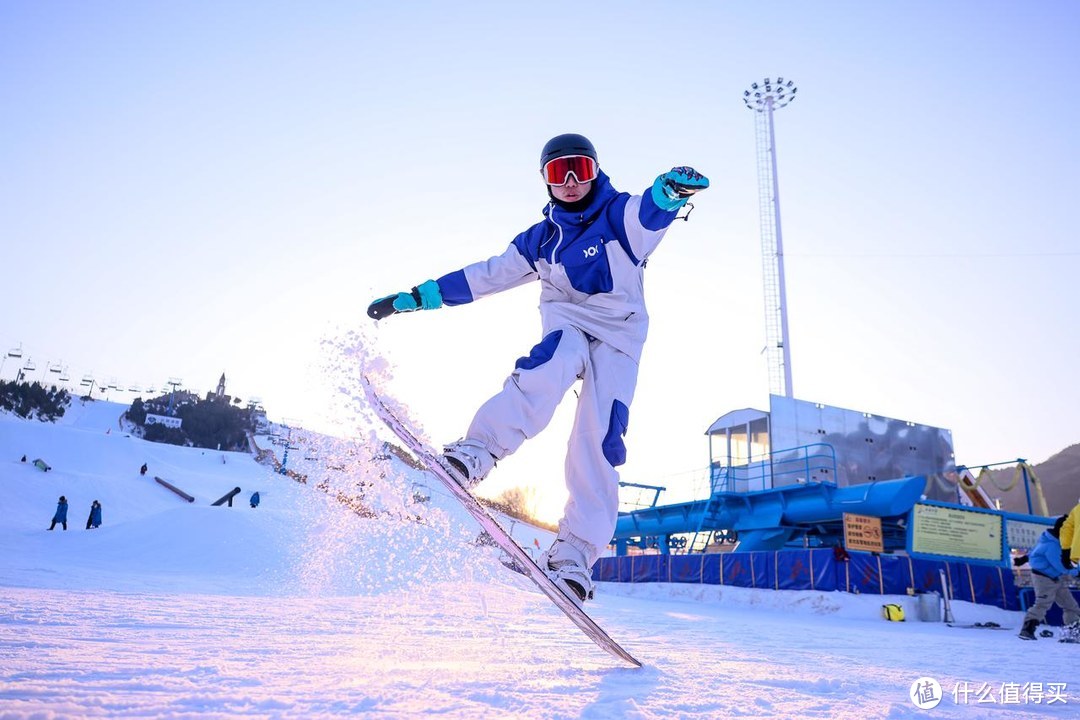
(527, 403)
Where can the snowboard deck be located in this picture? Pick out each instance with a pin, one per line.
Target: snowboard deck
(519, 558)
(979, 626)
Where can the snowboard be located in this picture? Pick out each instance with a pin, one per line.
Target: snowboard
(981, 625)
(519, 560)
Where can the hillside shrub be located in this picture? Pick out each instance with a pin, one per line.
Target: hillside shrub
(207, 423)
(32, 399)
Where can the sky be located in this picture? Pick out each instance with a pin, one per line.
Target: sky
(177, 609)
(198, 188)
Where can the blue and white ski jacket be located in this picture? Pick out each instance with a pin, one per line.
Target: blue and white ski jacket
(590, 265)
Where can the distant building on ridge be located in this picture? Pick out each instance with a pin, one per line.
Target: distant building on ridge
(219, 394)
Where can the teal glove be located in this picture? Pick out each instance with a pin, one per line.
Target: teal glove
(425, 296)
(672, 189)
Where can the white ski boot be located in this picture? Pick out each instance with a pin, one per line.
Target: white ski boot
(468, 461)
(564, 562)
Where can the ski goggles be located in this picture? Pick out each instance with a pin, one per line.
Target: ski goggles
(558, 170)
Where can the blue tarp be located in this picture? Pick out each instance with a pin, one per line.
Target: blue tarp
(819, 569)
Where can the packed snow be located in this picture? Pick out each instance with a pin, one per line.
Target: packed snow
(349, 594)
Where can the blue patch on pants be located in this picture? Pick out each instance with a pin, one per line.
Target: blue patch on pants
(540, 353)
(613, 445)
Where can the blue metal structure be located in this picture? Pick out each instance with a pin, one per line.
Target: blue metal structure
(1028, 476)
(833, 462)
(808, 514)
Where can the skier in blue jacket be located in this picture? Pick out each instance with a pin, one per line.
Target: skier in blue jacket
(1050, 580)
(589, 254)
(60, 516)
(93, 521)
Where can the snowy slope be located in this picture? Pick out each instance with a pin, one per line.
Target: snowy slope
(303, 608)
(152, 538)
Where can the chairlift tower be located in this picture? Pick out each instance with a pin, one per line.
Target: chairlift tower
(173, 382)
(765, 98)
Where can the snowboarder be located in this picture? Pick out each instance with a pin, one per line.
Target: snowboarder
(94, 521)
(60, 516)
(1050, 580)
(255, 499)
(143, 469)
(589, 254)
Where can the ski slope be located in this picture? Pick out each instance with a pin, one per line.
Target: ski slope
(305, 608)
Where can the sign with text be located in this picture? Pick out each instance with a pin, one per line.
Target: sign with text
(953, 533)
(863, 532)
(1023, 534)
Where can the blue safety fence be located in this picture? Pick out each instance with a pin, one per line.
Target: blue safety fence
(819, 569)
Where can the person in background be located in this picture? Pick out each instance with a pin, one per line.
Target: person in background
(143, 469)
(255, 499)
(94, 521)
(1070, 538)
(60, 516)
(1050, 579)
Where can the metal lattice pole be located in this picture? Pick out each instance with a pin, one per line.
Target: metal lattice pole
(764, 99)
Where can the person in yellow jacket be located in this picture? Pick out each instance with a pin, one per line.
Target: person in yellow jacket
(1070, 538)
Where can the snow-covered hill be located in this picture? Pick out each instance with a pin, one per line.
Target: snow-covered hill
(303, 607)
(153, 539)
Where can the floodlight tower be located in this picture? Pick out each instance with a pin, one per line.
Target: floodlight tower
(764, 99)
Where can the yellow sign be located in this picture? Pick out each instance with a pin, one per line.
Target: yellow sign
(863, 532)
(956, 532)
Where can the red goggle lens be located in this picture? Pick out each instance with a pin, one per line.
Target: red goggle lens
(557, 170)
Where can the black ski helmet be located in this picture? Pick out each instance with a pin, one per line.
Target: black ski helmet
(564, 145)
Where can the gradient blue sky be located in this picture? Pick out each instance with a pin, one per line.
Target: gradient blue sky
(188, 188)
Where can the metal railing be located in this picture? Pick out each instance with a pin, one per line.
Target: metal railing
(807, 463)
